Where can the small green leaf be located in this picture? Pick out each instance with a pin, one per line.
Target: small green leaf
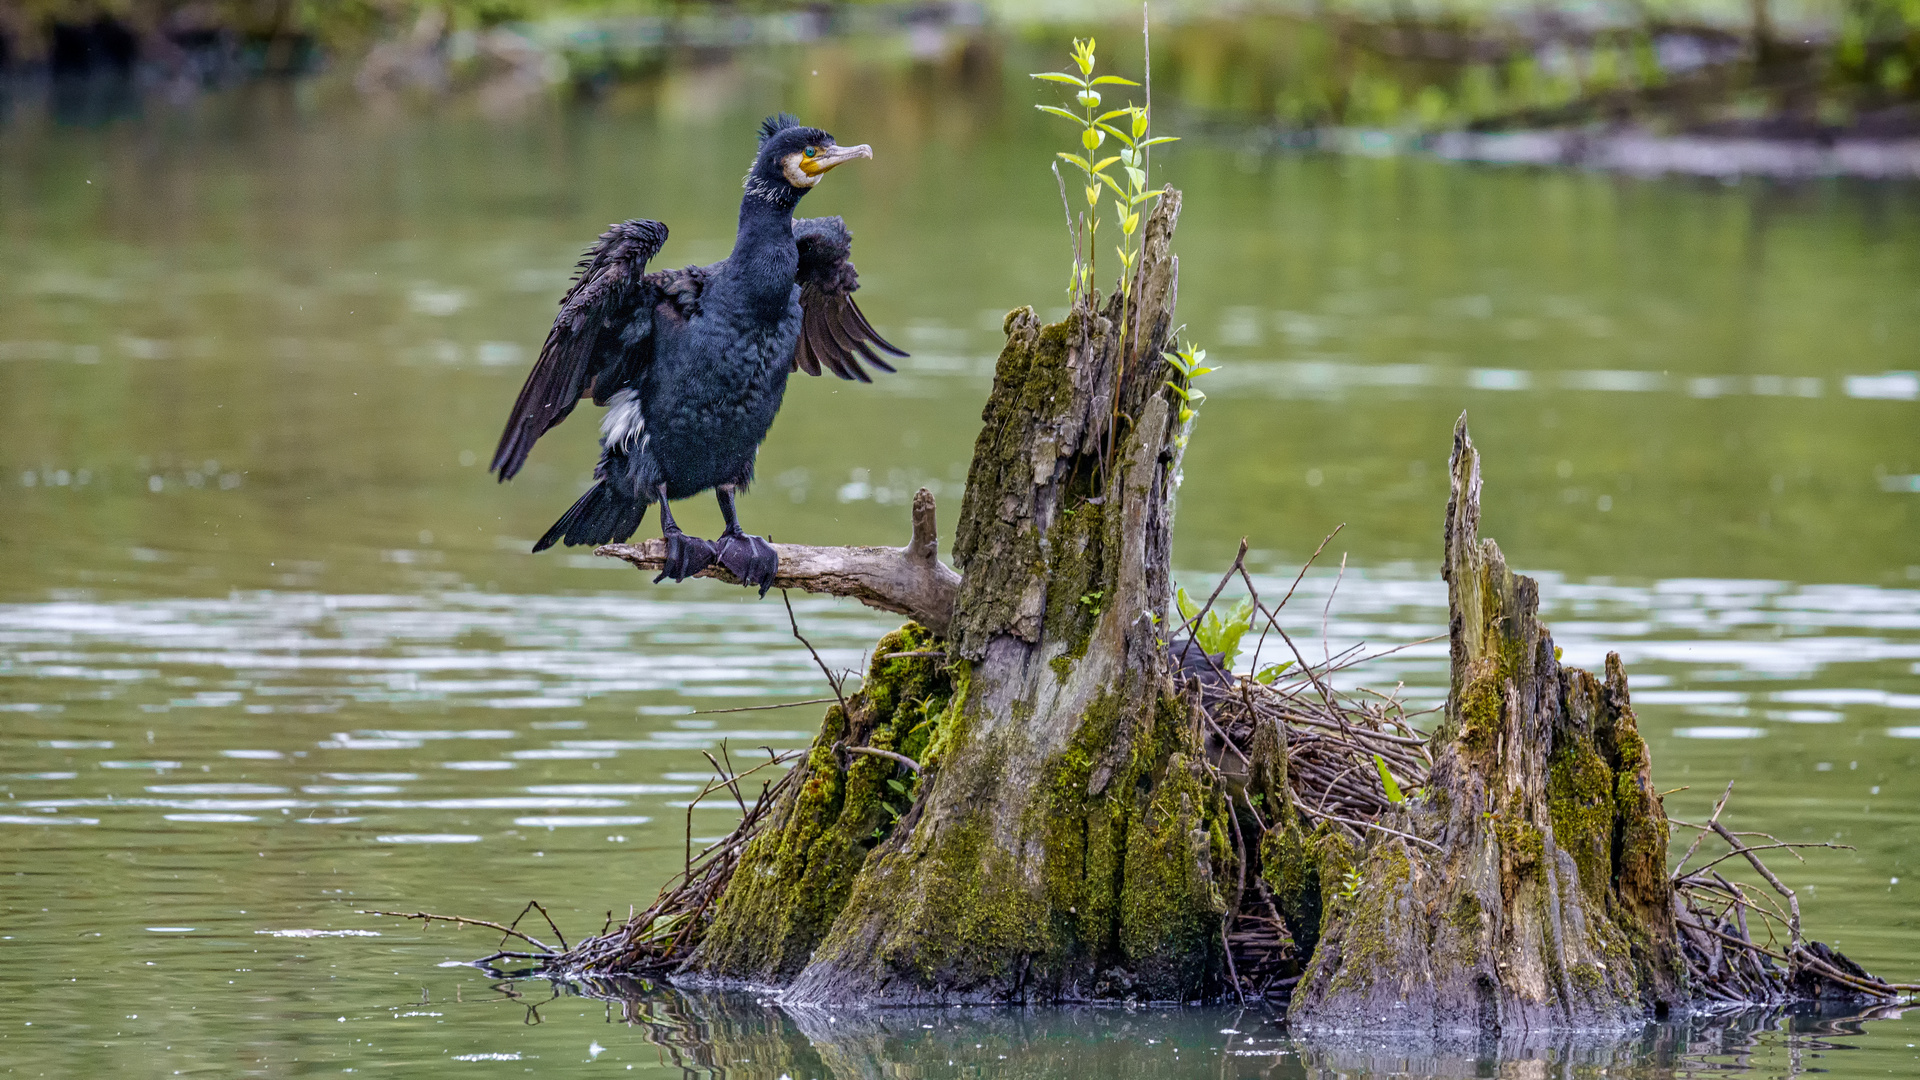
(1115, 132)
(1085, 166)
(1060, 76)
(1114, 113)
(1272, 672)
(1114, 79)
(1161, 139)
(1188, 609)
(896, 785)
(1057, 111)
(1387, 781)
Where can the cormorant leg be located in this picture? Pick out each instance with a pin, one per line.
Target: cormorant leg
(749, 558)
(686, 555)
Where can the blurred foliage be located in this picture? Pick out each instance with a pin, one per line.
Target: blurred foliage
(1355, 64)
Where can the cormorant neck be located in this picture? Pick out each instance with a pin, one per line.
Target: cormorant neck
(764, 257)
(764, 218)
(766, 205)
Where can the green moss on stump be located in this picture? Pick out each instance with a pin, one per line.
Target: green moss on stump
(796, 875)
(1080, 580)
(1304, 869)
(1171, 902)
(1368, 939)
(1580, 804)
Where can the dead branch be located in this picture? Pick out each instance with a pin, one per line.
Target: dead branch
(910, 581)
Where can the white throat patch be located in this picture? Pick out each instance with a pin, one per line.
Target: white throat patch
(795, 174)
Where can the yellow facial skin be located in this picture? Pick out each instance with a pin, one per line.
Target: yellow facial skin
(804, 169)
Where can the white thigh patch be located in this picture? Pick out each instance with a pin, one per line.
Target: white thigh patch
(623, 423)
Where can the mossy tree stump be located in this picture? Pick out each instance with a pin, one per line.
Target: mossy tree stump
(1548, 905)
(1063, 839)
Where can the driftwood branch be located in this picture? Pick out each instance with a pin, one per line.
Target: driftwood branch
(910, 581)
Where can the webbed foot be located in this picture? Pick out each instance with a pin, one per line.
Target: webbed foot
(749, 558)
(686, 556)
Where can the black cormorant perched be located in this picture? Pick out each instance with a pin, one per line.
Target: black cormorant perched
(692, 363)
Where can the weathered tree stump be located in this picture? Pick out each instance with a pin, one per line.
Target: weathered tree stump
(1549, 905)
(1063, 840)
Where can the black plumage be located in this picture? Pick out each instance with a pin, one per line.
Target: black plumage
(692, 364)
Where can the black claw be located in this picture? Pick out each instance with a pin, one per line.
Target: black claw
(686, 556)
(749, 558)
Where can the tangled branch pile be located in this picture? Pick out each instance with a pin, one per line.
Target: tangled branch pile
(1728, 964)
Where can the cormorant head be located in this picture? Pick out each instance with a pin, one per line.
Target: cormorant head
(794, 157)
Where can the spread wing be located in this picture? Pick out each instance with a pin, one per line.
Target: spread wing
(594, 344)
(833, 332)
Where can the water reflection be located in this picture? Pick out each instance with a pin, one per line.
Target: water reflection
(738, 1035)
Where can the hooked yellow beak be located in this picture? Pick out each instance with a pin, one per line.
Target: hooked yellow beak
(831, 156)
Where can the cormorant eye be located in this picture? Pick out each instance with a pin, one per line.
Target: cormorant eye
(812, 150)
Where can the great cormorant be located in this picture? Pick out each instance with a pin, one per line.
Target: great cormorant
(692, 363)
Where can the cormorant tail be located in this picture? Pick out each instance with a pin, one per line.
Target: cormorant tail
(601, 516)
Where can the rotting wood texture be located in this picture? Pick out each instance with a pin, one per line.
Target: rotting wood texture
(1548, 905)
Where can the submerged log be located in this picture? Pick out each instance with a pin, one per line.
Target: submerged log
(1548, 905)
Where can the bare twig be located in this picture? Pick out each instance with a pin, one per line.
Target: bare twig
(1695, 846)
(898, 759)
(1326, 611)
(763, 708)
(831, 680)
(1793, 902)
(534, 905)
(1377, 827)
(1738, 852)
(425, 916)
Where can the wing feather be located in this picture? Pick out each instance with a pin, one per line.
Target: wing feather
(834, 332)
(602, 329)
(803, 357)
(839, 318)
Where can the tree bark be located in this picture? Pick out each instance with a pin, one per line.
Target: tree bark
(1549, 905)
(1063, 841)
